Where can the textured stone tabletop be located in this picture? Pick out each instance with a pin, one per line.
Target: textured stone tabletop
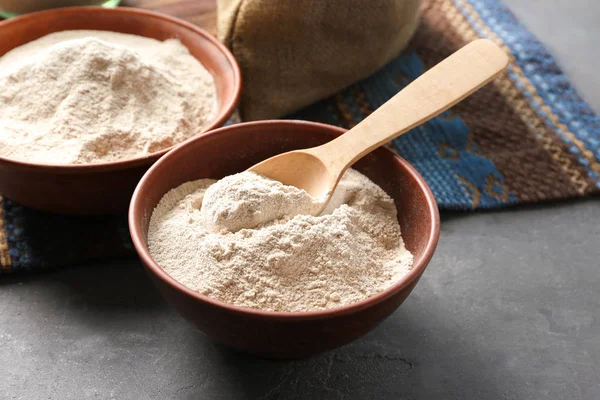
(508, 309)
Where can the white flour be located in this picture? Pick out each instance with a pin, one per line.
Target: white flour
(78, 97)
(304, 263)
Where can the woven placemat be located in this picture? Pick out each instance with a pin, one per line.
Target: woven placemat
(527, 137)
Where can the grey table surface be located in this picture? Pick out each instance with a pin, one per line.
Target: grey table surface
(509, 308)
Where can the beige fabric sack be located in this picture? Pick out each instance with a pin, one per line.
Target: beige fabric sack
(295, 52)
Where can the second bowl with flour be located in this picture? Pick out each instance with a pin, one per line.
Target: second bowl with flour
(109, 103)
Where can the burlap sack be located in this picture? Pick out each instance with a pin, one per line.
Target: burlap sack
(294, 52)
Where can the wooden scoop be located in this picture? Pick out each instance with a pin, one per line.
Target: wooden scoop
(319, 169)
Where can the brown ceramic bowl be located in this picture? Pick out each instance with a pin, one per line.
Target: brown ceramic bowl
(279, 334)
(106, 187)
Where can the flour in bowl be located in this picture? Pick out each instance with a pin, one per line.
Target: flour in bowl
(291, 263)
(84, 97)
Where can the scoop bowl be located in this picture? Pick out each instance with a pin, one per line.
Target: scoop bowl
(235, 148)
(297, 168)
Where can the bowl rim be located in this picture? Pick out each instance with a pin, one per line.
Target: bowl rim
(135, 215)
(223, 114)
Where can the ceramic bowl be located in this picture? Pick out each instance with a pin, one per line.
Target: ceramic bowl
(282, 334)
(106, 187)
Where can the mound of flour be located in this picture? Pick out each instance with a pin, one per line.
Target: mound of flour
(300, 263)
(247, 199)
(79, 97)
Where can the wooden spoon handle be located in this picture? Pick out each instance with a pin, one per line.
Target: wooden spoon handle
(435, 91)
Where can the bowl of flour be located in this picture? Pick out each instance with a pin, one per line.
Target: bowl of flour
(250, 268)
(91, 97)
